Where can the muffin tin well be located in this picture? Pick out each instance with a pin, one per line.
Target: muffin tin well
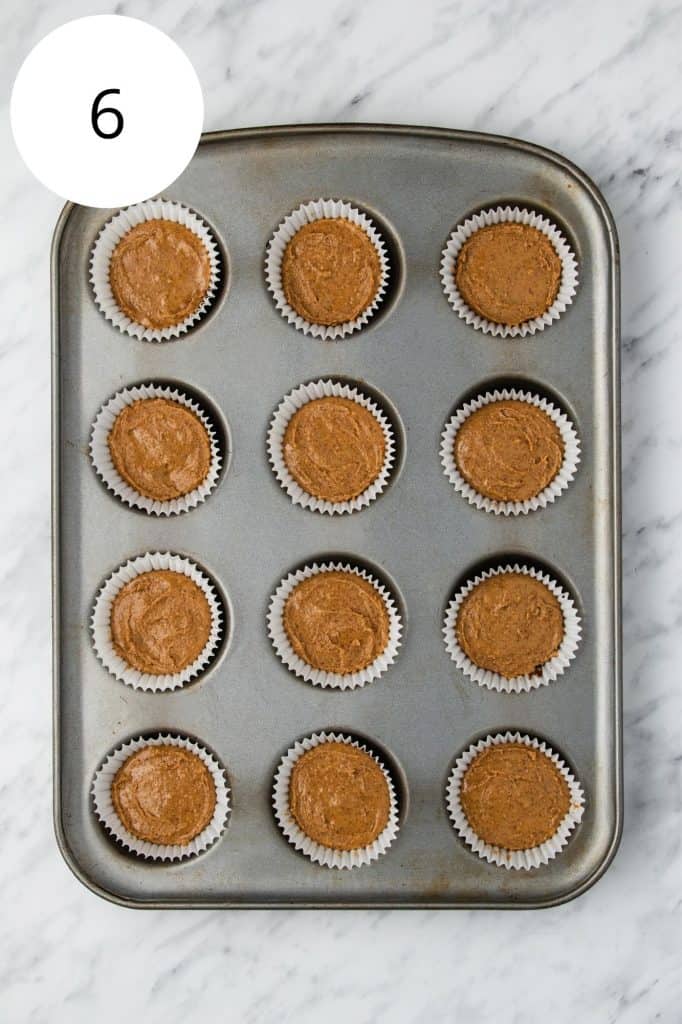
(418, 360)
(187, 397)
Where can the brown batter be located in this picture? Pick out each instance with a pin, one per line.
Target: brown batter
(334, 448)
(508, 273)
(330, 271)
(509, 450)
(514, 796)
(336, 622)
(511, 624)
(160, 622)
(160, 448)
(159, 273)
(339, 796)
(164, 794)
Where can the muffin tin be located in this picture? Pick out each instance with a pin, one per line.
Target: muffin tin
(419, 537)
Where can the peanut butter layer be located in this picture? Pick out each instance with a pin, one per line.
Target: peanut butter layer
(159, 273)
(160, 622)
(330, 271)
(514, 797)
(509, 450)
(160, 448)
(336, 622)
(511, 624)
(339, 796)
(164, 794)
(334, 448)
(508, 273)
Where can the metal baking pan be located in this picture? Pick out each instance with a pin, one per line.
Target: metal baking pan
(422, 359)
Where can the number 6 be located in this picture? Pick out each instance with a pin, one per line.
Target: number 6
(95, 115)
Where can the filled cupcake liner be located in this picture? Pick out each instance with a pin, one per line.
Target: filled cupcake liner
(100, 454)
(306, 214)
(294, 401)
(319, 854)
(503, 215)
(553, 489)
(301, 668)
(536, 856)
(101, 615)
(551, 670)
(109, 237)
(106, 813)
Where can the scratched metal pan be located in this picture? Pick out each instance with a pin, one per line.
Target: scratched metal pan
(420, 535)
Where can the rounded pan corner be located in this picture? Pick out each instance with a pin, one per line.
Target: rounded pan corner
(590, 877)
(586, 184)
(84, 877)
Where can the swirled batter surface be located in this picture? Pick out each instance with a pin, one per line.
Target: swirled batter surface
(508, 273)
(339, 796)
(160, 622)
(160, 448)
(514, 796)
(511, 624)
(336, 622)
(509, 450)
(334, 448)
(159, 273)
(330, 271)
(164, 794)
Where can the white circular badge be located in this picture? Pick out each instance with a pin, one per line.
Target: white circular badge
(107, 111)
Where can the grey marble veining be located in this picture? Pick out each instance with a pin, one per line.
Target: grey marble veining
(600, 82)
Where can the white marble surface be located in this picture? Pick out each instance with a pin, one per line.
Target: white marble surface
(598, 81)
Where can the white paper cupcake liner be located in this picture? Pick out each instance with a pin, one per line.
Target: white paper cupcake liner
(501, 215)
(553, 489)
(305, 214)
(105, 811)
(294, 401)
(100, 454)
(301, 668)
(101, 614)
(551, 670)
(109, 237)
(325, 855)
(536, 856)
